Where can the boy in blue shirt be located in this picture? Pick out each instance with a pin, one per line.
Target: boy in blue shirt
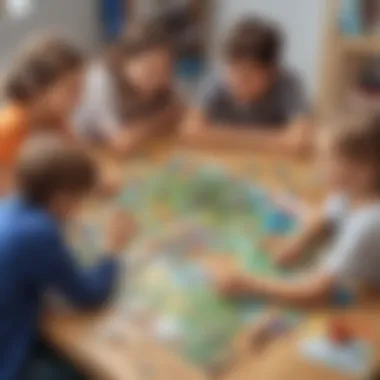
(53, 178)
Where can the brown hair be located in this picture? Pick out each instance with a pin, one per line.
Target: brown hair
(49, 165)
(40, 67)
(357, 137)
(138, 39)
(255, 40)
(143, 37)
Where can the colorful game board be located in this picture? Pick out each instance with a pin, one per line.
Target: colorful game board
(189, 211)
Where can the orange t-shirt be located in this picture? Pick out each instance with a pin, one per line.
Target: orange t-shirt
(13, 130)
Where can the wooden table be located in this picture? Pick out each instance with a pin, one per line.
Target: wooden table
(75, 334)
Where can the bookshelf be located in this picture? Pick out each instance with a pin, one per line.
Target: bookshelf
(342, 59)
(361, 45)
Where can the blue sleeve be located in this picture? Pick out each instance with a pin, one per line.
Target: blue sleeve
(52, 265)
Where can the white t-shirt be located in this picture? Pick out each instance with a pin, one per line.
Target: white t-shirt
(96, 115)
(355, 251)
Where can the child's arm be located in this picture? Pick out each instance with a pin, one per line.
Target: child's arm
(137, 133)
(352, 257)
(315, 231)
(53, 265)
(310, 288)
(295, 138)
(202, 127)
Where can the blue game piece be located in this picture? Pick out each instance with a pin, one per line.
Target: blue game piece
(278, 222)
(343, 297)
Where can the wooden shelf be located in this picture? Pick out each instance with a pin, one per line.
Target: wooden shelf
(342, 60)
(361, 45)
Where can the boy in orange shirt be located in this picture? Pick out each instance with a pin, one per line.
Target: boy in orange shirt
(13, 127)
(41, 90)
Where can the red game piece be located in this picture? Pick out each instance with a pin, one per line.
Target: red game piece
(338, 332)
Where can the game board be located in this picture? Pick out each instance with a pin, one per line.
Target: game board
(189, 211)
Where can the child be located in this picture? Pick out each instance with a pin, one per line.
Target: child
(53, 178)
(257, 103)
(129, 96)
(351, 158)
(40, 90)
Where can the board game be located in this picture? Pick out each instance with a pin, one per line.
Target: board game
(189, 214)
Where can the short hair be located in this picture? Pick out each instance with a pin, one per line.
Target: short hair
(356, 136)
(256, 40)
(39, 67)
(49, 165)
(142, 37)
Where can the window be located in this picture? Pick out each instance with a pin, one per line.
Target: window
(16, 9)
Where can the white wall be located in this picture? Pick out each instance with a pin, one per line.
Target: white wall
(76, 19)
(301, 20)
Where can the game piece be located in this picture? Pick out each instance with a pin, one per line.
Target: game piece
(338, 332)
(343, 297)
(278, 222)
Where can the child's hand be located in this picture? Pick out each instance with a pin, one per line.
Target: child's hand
(121, 229)
(288, 254)
(122, 145)
(237, 285)
(110, 187)
(298, 137)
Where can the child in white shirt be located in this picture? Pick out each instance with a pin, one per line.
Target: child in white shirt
(350, 154)
(129, 96)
